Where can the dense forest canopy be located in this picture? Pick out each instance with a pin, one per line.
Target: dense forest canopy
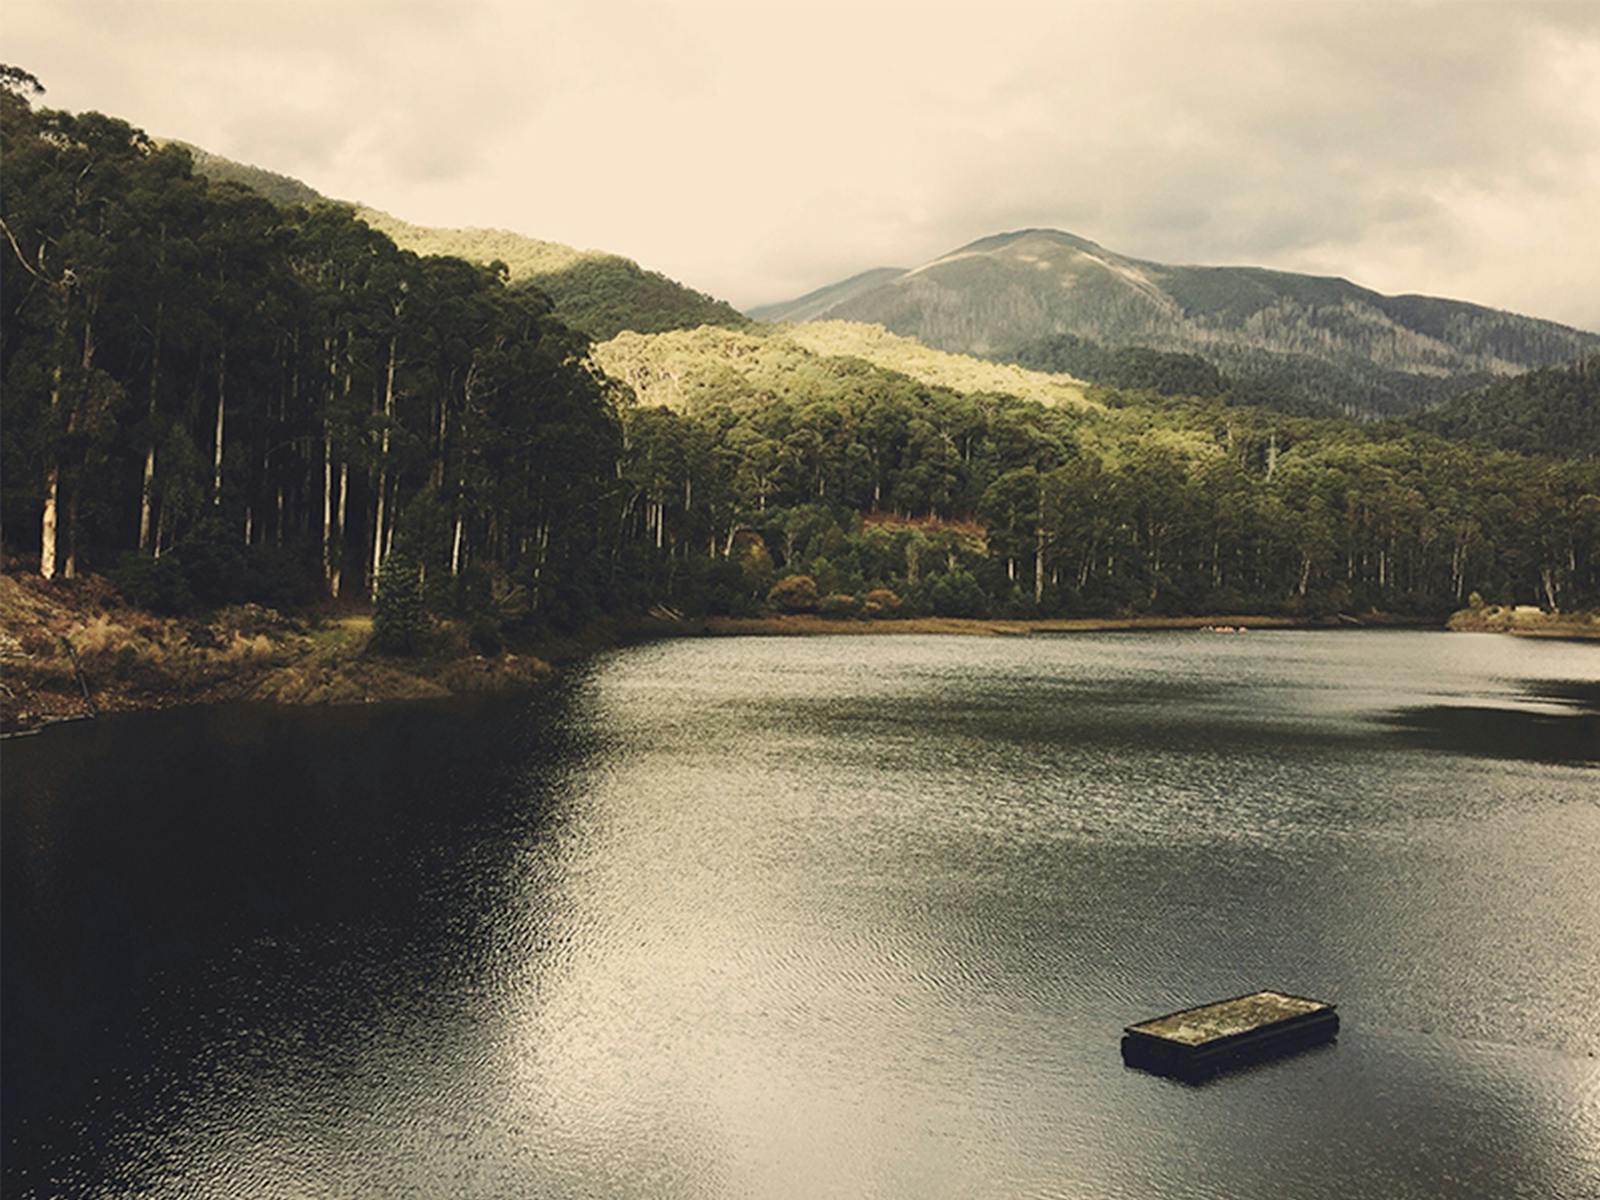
(264, 400)
(1553, 413)
(863, 476)
(217, 397)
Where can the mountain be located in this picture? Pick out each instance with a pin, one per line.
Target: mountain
(1301, 341)
(814, 304)
(598, 293)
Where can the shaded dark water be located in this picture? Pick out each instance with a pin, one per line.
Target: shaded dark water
(823, 917)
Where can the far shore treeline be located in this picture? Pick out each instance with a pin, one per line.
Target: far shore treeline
(215, 398)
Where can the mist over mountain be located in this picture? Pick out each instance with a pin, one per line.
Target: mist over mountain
(1302, 341)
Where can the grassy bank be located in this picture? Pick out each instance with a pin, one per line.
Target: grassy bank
(73, 649)
(1525, 621)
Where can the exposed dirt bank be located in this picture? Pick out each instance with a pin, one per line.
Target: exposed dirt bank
(1525, 621)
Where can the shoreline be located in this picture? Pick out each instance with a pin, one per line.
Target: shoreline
(807, 625)
(123, 659)
(78, 651)
(1527, 623)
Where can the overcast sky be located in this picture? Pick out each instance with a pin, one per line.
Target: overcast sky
(759, 150)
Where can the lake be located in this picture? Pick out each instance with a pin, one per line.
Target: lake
(854, 917)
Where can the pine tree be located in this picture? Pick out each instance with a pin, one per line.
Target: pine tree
(399, 617)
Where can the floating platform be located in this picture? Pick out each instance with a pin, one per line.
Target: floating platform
(1213, 1037)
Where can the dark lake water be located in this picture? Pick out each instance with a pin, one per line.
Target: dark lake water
(854, 917)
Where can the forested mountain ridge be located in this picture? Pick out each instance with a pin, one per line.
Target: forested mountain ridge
(593, 291)
(1299, 340)
(280, 189)
(599, 293)
(216, 398)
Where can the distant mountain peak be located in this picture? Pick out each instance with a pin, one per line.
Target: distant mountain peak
(1319, 342)
(1033, 233)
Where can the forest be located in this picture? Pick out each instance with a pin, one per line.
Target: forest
(213, 397)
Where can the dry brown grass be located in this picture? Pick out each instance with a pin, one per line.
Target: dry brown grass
(132, 659)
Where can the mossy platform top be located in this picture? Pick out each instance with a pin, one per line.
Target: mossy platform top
(1228, 1018)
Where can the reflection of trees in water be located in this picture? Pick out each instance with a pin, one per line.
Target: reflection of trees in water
(1488, 732)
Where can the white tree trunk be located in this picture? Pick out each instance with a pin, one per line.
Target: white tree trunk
(52, 480)
(148, 481)
(47, 525)
(146, 488)
(327, 508)
(1038, 564)
(222, 403)
(338, 530)
(383, 472)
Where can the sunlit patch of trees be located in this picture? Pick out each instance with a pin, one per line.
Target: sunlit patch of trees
(596, 293)
(1143, 504)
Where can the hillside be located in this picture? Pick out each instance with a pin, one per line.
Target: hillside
(687, 369)
(601, 294)
(280, 189)
(1551, 413)
(598, 293)
(1302, 341)
(813, 305)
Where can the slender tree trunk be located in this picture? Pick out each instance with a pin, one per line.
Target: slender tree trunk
(338, 531)
(47, 524)
(383, 471)
(85, 366)
(222, 404)
(70, 571)
(52, 475)
(148, 482)
(1038, 567)
(327, 508)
